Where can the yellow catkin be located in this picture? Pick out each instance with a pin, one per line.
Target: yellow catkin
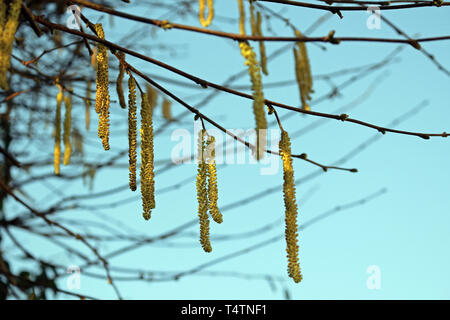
(255, 24)
(87, 102)
(166, 109)
(152, 98)
(262, 47)
(147, 159)
(290, 204)
(241, 17)
(102, 99)
(67, 129)
(202, 194)
(201, 12)
(300, 79)
(213, 195)
(258, 97)
(303, 72)
(120, 76)
(9, 20)
(132, 127)
(57, 149)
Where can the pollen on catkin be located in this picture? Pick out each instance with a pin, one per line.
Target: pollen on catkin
(102, 99)
(202, 193)
(9, 20)
(67, 129)
(290, 208)
(201, 12)
(119, 81)
(212, 182)
(147, 159)
(303, 72)
(132, 128)
(166, 109)
(258, 97)
(57, 149)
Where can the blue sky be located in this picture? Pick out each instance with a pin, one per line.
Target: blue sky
(403, 231)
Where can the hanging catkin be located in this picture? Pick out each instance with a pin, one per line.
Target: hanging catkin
(303, 72)
(102, 94)
(57, 149)
(147, 159)
(132, 125)
(290, 208)
(67, 129)
(119, 81)
(152, 98)
(262, 47)
(241, 17)
(258, 97)
(255, 24)
(9, 20)
(87, 102)
(202, 193)
(201, 12)
(212, 182)
(166, 109)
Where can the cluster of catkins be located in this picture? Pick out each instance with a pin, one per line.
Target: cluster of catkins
(102, 101)
(207, 191)
(254, 71)
(147, 175)
(206, 183)
(304, 80)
